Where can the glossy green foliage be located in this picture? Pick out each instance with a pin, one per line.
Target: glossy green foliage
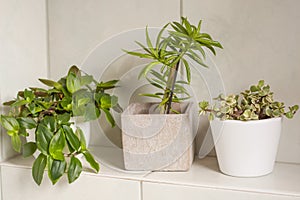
(256, 103)
(171, 51)
(48, 112)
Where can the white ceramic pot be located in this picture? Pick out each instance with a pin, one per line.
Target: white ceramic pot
(247, 148)
(78, 122)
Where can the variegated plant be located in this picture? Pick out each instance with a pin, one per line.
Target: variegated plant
(254, 104)
(184, 40)
(48, 112)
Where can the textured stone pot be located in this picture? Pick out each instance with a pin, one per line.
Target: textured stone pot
(247, 148)
(157, 142)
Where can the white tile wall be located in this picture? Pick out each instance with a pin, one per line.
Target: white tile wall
(23, 50)
(20, 185)
(260, 40)
(178, 192)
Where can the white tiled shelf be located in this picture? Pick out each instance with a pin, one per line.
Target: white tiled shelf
(203, 181)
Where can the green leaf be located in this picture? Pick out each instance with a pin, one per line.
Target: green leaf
(27, 122)
(51, 83)
(63, 118)
(180, 28)
(19, 103)
(75, 169)
(28, 95)
(90, 159)
(28, 149)
(159, 35)
(80, 134)
(91, 112)
(9, 123)
(43, 138)
(106, 101)
(16, 142)
(56, 170)
(109, 117)
(148, 68)
(50, 123)
(74, 70)
(149, 43)
(73, 83)
(187, 70)
(57, 145)
(151, 95)
(86, 80)
(71, 138)
(38, 168)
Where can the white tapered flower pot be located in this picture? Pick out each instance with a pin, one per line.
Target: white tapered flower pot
(247, 148)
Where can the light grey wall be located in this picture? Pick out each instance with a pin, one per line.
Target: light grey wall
(261, 41)
(23, 50)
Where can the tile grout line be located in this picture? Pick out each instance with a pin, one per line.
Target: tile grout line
(1, 180)
(47, 38)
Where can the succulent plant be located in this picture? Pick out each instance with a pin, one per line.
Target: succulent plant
(183, 41)
(256, 103)
(48, 112)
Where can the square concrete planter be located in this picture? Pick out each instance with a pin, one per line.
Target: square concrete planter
(158, 142)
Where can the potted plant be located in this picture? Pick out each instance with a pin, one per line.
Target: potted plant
(159, 135)
(247, 130)
(49, 117)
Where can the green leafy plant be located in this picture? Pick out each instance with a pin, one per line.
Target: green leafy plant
(48, 113)
(257, 103)
(169, 52)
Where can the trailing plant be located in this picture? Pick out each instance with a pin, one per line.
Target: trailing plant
(184, 40)
(49, 112)
(256, 103)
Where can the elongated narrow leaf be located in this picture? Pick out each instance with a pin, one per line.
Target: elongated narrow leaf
(51, 83)
(57, 169)
(141, 55)
(158, 38)
(180, 28)
(20, 103)
(149, 43)
(151, 95)
(74, 170)
(38, 168)
(107, 85)
(148, 68)
(28, 149)
(71, 137)
(109, 117)
(43, 138)
(144, 48)
(187, 70)
(90, 159)
(186, 23)
(57, 145)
